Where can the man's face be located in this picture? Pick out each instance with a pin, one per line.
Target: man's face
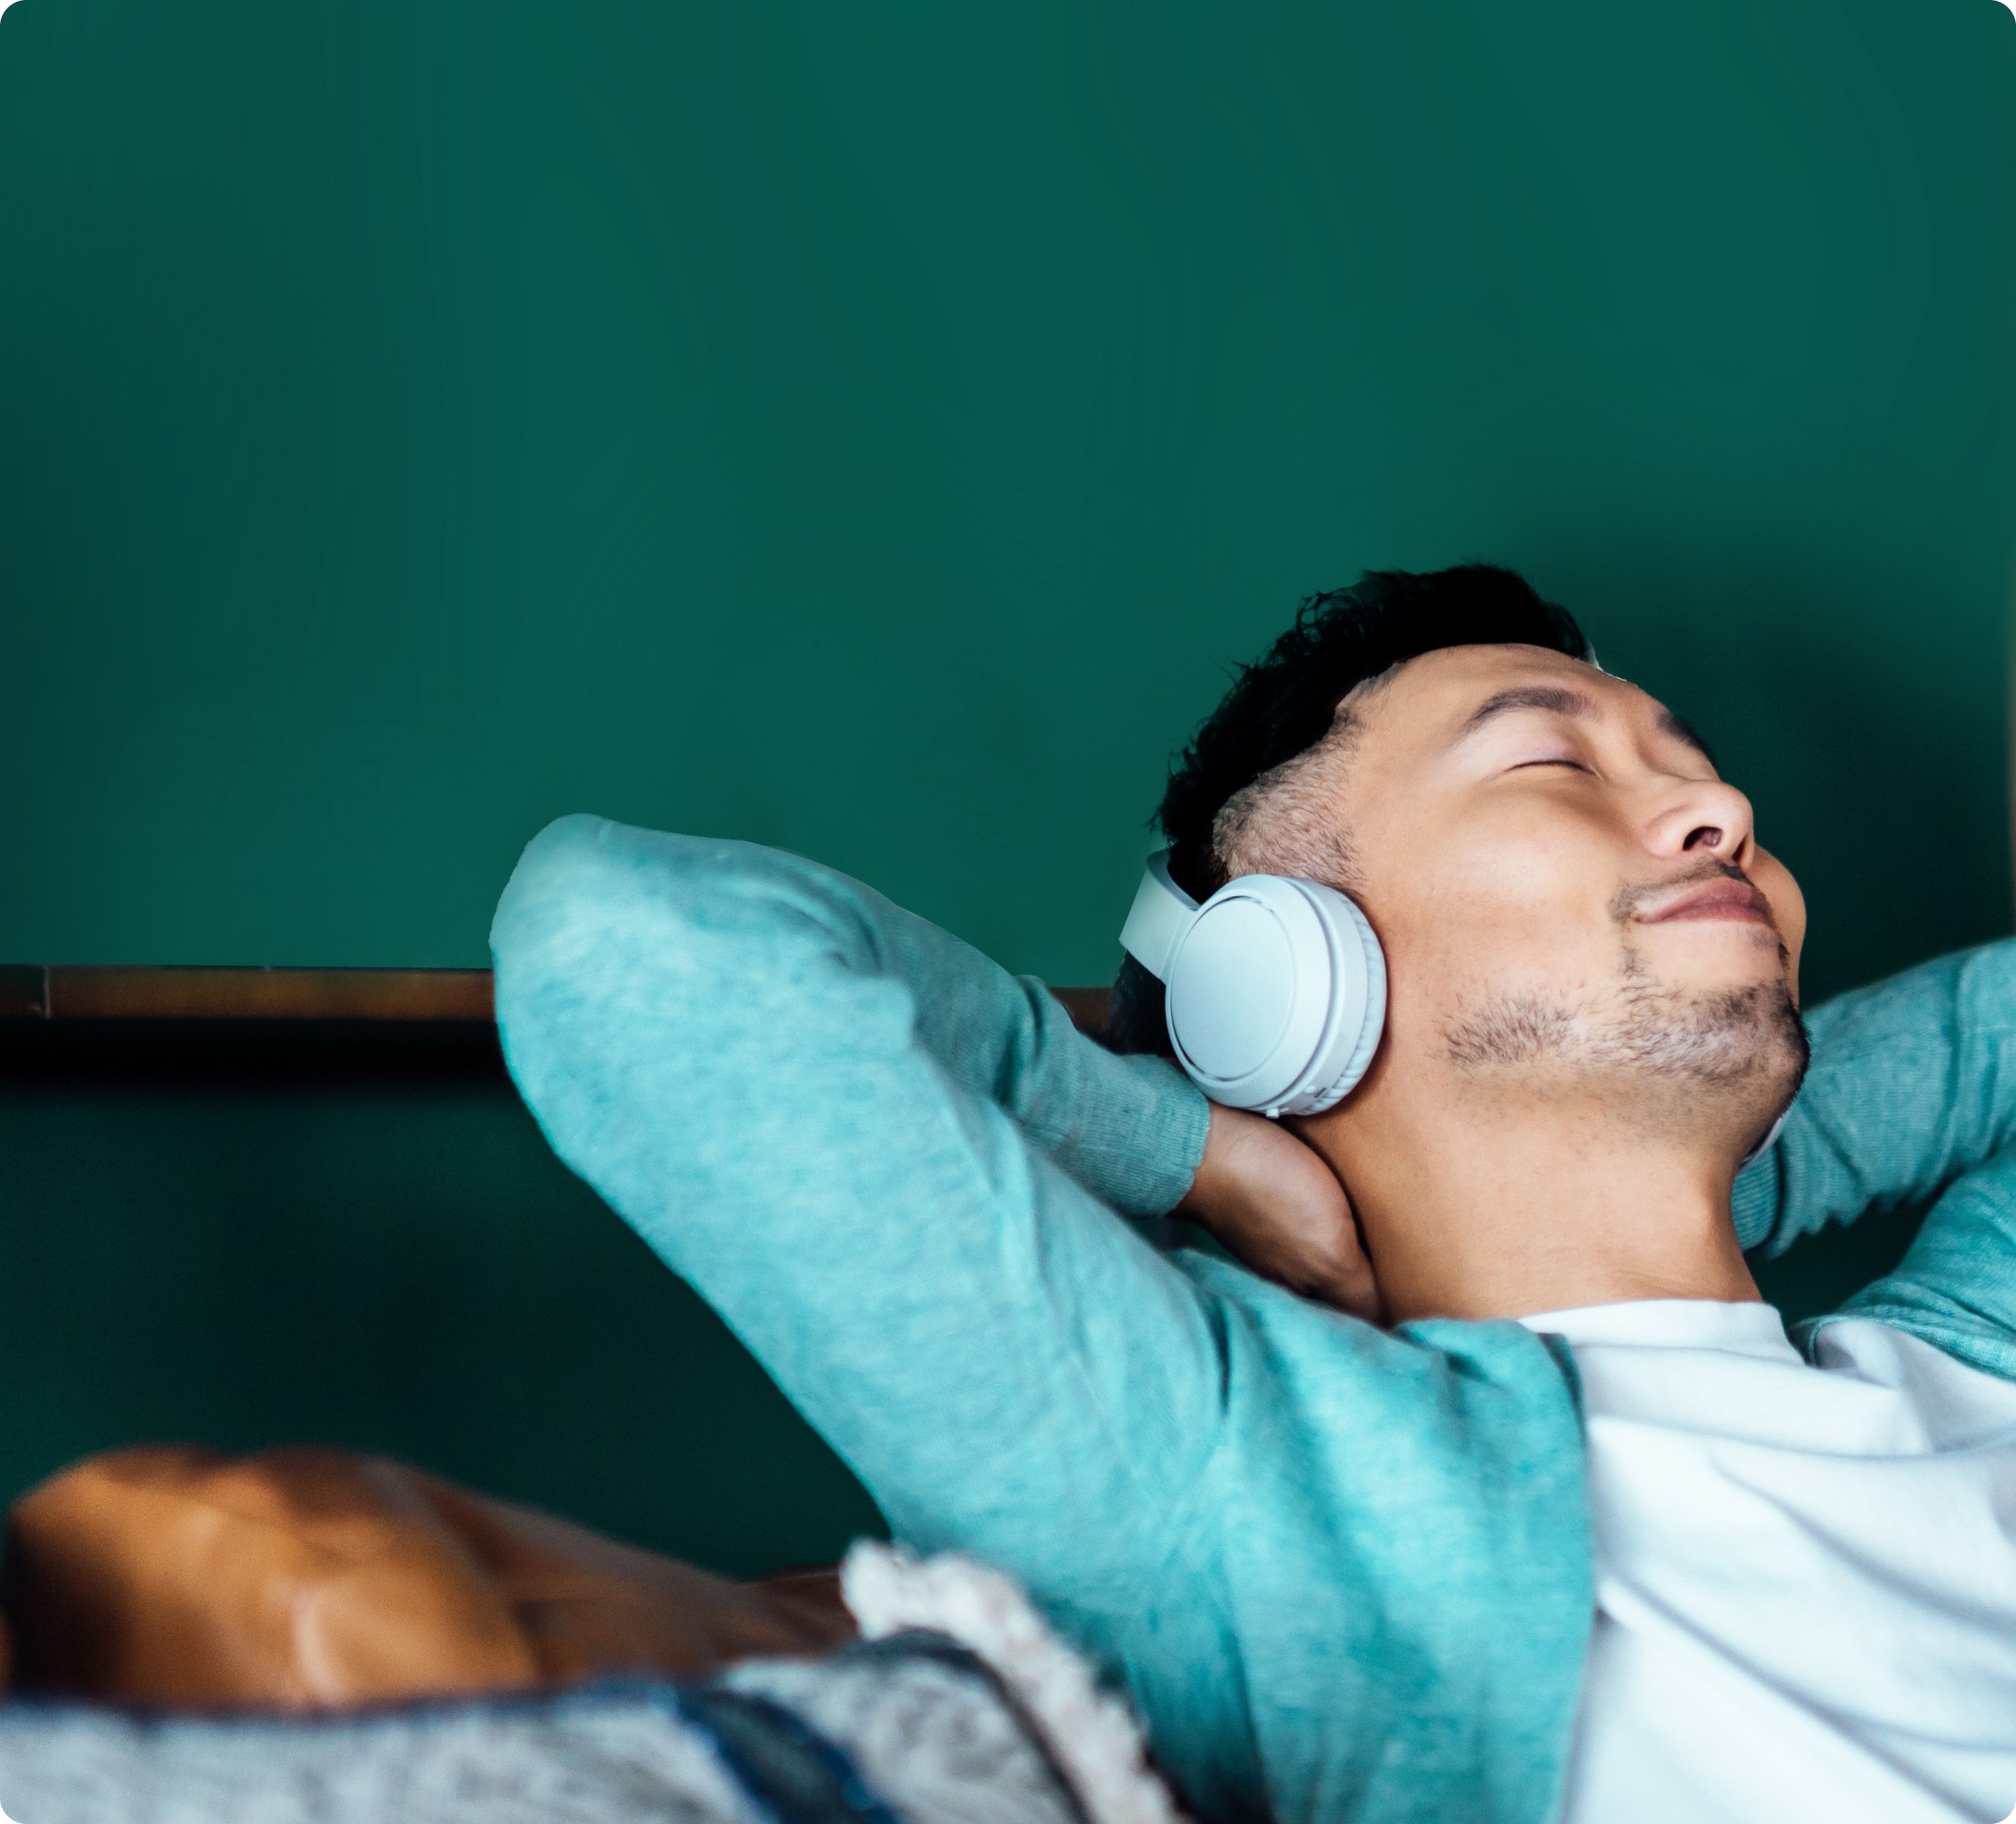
(1565, 888)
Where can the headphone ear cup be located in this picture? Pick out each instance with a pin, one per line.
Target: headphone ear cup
(1276, 995)
(1358, 994)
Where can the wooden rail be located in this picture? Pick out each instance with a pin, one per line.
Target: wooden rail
(265, 1025)
(65, 992)
(149, 992)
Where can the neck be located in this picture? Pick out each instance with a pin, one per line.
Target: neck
(1471, 1208)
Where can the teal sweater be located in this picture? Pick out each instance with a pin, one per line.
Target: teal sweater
(1343, 1573)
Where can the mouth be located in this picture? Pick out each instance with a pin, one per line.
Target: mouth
(1728, 900)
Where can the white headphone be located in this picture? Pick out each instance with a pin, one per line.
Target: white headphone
(1276, 987)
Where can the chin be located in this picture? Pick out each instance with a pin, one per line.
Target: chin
(1728, 1026)
(1744, 1036)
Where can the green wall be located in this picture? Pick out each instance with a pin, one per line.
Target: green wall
(874, 429)
(408, 1272)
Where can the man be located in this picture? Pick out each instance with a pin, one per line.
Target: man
(1559, 1516)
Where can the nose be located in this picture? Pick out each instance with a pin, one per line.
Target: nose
(1703, 817)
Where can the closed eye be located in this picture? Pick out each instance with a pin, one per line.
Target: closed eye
(1558, 760)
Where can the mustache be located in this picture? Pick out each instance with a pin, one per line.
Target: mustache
(1631, 898)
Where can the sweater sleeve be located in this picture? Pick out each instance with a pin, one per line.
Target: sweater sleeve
(1912, 1084)
(1955, 1288)
(1130, 1130)
(853, 1136)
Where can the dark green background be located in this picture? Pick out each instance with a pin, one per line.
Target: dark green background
(874, 429)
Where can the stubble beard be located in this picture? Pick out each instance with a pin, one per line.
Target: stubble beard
(1670, 1057)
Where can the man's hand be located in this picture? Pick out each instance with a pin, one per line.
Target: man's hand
(1277, 1205)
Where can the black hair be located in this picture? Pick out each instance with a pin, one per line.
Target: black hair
(1285, 702)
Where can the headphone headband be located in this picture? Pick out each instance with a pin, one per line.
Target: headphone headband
(1162, 913)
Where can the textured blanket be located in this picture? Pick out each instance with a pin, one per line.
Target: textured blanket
(958, 1707)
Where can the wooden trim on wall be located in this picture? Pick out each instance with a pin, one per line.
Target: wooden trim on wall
(123, 992)
(118, 992)
(263, 1027)
(252, 1028)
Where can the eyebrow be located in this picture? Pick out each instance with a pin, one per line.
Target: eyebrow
(1558, 700)
(1554, 697)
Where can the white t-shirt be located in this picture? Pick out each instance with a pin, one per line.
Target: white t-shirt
(1805, 1576)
